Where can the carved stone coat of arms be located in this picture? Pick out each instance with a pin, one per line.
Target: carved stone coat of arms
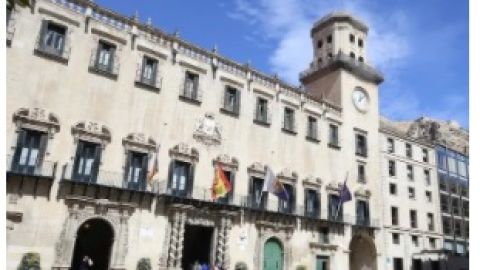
(207, 130)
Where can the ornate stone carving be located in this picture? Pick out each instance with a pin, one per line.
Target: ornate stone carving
(92, 131)
(333, 187)
(38, 119)
(139, 142)
(226, 161)
(184, 152)
(207, 130)
(363, 192)
(288, 175)
(313, 182)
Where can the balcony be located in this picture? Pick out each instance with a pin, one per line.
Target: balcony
(42, 172)
(106, 185)
(60, 55)
(110, 71)
(154, 84)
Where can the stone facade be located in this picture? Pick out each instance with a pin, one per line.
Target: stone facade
(313, 137)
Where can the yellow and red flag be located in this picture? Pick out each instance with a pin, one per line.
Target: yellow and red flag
(221, 185)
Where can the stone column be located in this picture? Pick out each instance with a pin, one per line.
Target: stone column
(181, 236)
(172, 250)
(226, 254)
(220, 242)
(121, 245)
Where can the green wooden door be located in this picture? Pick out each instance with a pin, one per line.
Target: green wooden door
(272, 255)
(322, 263)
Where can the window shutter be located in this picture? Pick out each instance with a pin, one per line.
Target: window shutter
(43, 32)
(225, 98)
(191, 177)
(22, 136)
(171, 167)
(317, 204)
(78, 154)
(142, 73)
(367, 212)
(154, 72)
(96, 163)
(238, 96)
(128, 163)
(195, 87)
(99, 49)
(143, 176)
(293, 199)
(42, 149)
(305, 201)
(112, 59)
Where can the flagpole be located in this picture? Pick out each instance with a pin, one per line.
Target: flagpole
(340, 201)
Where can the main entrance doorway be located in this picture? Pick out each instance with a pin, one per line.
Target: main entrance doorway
(363, 255)
(197, 246)
(272, 255)
(322, 263)
(94, 239)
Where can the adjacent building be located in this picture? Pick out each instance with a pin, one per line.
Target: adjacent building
(97, 99)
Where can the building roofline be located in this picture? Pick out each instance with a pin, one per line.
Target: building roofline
(338, 16)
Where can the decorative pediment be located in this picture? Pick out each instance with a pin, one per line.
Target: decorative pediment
(311, 181)
(334, 186)
(287, 174)
(226, 161)
(184, 152)
(92, 131)
(139, 142)
(257, 169)
(363, 192)
(38, 119)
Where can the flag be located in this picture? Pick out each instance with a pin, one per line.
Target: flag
(221, 185)
(273, 185)
(344, 196)
(154, 170)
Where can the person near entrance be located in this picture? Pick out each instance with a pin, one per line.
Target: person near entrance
(86, 263)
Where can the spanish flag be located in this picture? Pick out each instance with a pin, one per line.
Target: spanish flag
(221, 185)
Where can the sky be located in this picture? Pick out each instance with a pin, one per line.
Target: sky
(421, 47)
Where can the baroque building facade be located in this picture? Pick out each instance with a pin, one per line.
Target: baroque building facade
(95, 99)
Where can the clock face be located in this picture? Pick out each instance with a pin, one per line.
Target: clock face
(360, 99)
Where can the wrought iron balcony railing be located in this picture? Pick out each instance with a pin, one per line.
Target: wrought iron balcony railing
(42, 168)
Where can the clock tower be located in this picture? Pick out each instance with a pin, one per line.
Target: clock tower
(341, 75)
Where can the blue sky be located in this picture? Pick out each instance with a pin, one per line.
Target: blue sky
(420, 46)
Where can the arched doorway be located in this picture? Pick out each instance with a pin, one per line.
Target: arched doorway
(363, 255)
(94, 239)
(272, 255)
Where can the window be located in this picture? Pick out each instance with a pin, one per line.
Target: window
(410, 172)
(457, 227)
(408, 150)
(261, 113)
(190, 88)
(105, 56)
(257, 199)
(415, 240)
(329, 39)
(390, 145)
(396, 238)
(9, 13)
(231, 100)
(361, 145)
(333, 208)
(452, 164)
(393, 189)
(53, 38)
(464, 190)
(362, 213)
(465, 209)
(149, 71)
(432, 243)
(287, 206)
(467, 229)
(413, 219)
(352, 38)
(443, 182)
(289, 120)
(320, 44)
(426, 174)
(330, 55)
(442, 160)
(361, 173)
(312, 203)
(29, 152)
(230, 175)
(324, 235)
(333, 136)
(430, 222)
(455, 207)
(136, 170)
(425, 155)
(360, 59)
(428, 195)
(180, 178)
(447, 225)
(462, 168)
(444, 203)
(394, 212)
(360, 43)
(352, 55)
(87, 161)
(411, 193)
(391, 168)
(453, 188)
(312, 128)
